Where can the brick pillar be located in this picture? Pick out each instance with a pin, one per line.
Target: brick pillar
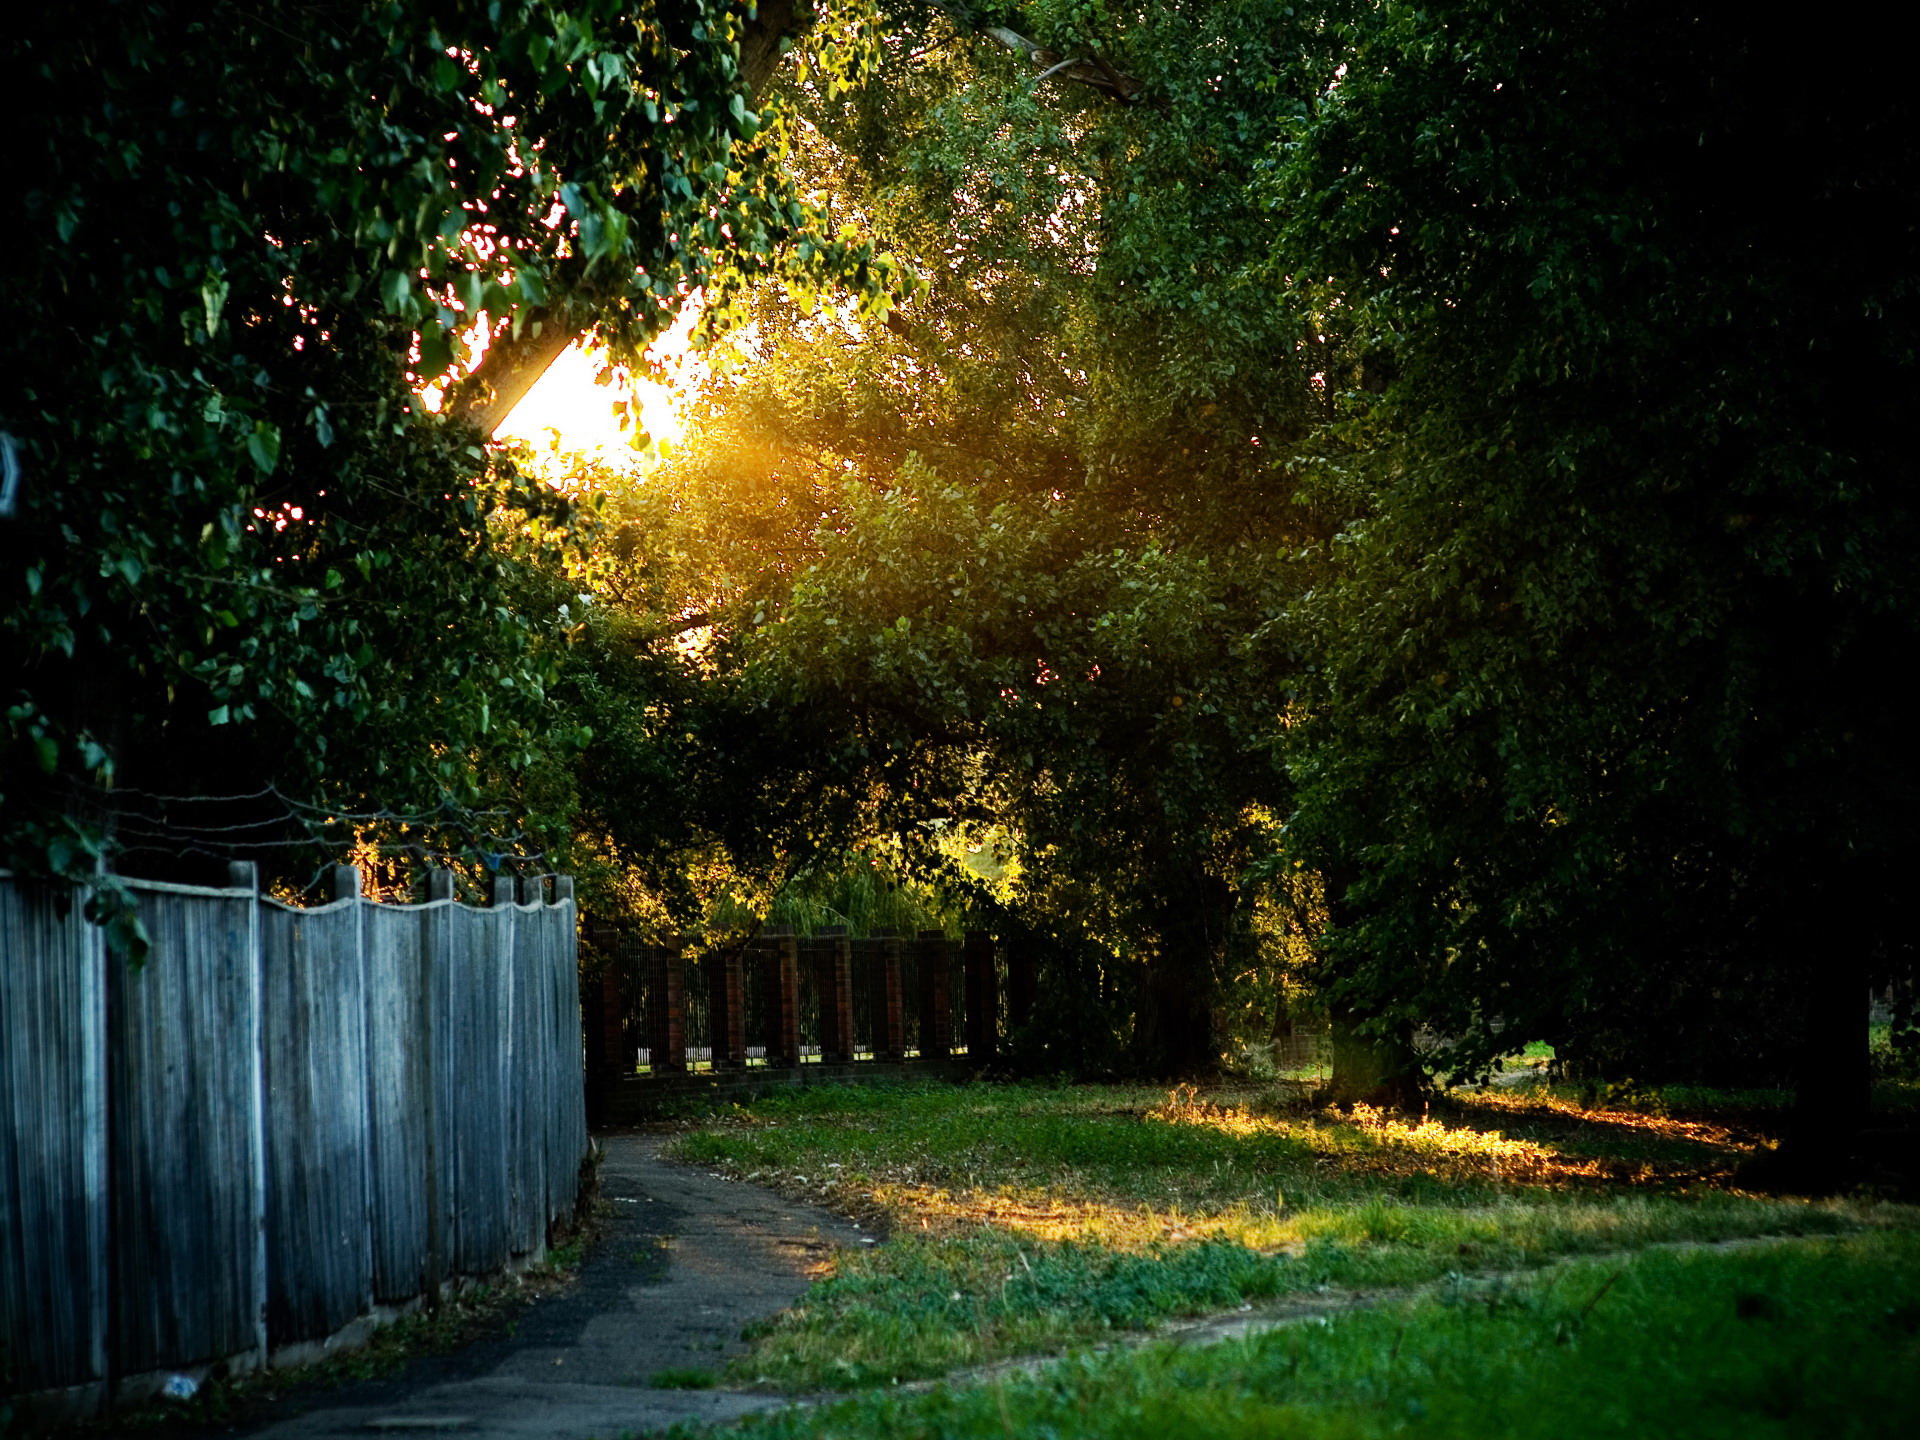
(1023, 985)
(669, 1038)
(836, 997)
(983, 999)
(729, 1011)
(890, 1024)
(783, 1046)
(936, 1003)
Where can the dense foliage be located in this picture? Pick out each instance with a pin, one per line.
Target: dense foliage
(1607, 730)
(243, 552)
(1445, 459)
(984, 600)
(1429, 392)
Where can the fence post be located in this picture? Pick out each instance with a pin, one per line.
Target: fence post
(936, 1001)
(346, 882)
(836, 998)
(784, 1046)
(983, 999)
(890, 1041)
(669, 1008)
(436, 953)
(602, 1010)
(245, 875)
(728, 1022)
(504, 888)
(1023, 984)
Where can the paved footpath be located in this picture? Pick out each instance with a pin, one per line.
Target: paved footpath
(685, 1261)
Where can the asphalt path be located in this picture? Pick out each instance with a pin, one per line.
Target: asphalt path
(685, 1261)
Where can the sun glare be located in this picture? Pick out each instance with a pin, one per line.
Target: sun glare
(569, 411)
(569, 408)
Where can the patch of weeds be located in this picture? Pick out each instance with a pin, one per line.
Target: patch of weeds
(922, 1307)
(685, 1377)
(654, 1258)
(1668, 1343)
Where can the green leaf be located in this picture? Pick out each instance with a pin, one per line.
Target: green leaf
(436, 353)
(213, 296)
(263, 445)
(396, 292)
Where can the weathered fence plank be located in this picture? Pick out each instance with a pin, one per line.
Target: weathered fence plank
(53, 1125)
(527, 1080)
(185, 1135)
(399, 1098)
(319, 1139)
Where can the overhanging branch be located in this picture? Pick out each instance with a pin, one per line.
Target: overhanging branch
(512, 365)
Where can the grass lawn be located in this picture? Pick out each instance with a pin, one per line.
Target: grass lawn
(1813, 1338)
(1029, 1220)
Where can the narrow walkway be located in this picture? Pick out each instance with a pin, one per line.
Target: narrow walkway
(685, 1262)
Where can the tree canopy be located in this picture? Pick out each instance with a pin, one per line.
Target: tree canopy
(244, 550)
(1444, 461)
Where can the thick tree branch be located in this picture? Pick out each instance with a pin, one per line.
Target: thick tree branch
(511, 366)
(1092, 70)
(773, 22)
(509, 369)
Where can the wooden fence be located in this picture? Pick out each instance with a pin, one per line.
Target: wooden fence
(783, 1008)
(284, 1124)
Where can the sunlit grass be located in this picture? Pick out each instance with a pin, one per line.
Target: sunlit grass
(1028, 1219)
(1816, 1338)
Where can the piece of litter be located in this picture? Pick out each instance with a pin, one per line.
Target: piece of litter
(180, 1387)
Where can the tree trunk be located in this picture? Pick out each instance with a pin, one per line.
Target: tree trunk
(1833, 1079)
(1372, 1069)
(1834, 1087)
(1173, 1032)
(1368, 1068)
(1174, 1035)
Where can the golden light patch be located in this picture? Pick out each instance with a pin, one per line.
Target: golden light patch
(1377, 1142)
(1542, 1105)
